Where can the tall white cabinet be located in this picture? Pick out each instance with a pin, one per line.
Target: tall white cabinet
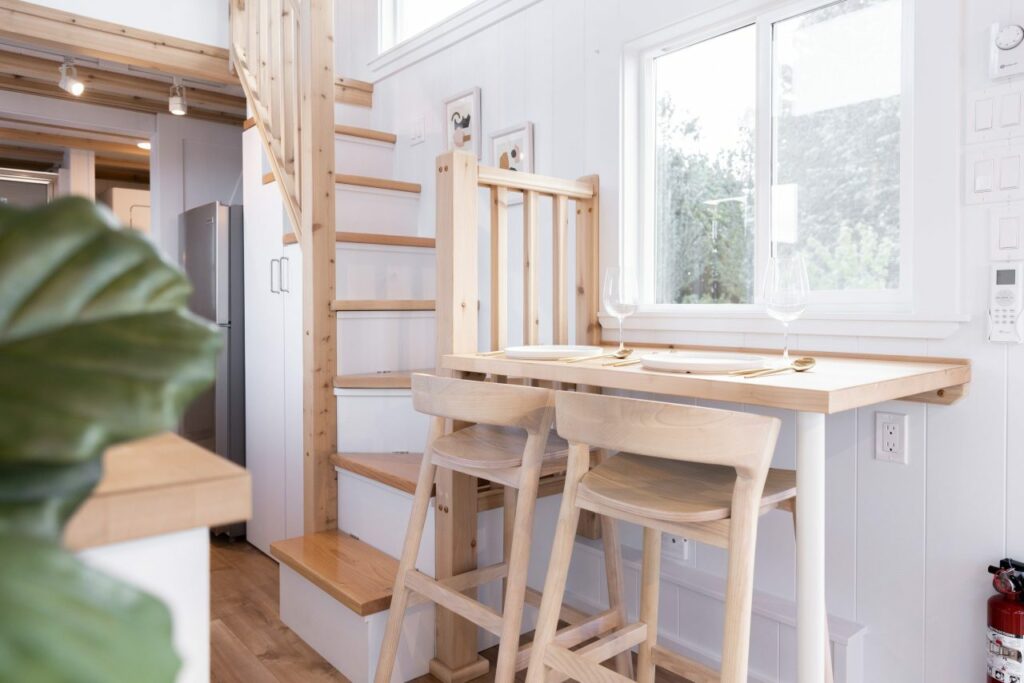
(273, 345)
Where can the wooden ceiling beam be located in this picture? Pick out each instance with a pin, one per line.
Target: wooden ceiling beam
(33, 154)
(46, 70)
(80, 36)
(70, 141)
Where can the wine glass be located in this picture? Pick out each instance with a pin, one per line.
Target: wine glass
(620, 297)
(785, 293)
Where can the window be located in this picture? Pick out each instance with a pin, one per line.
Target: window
(782, 132)
(403, 19)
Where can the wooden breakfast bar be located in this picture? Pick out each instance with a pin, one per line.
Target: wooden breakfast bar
(837, 383)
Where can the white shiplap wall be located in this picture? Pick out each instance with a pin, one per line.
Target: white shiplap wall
(908, 546)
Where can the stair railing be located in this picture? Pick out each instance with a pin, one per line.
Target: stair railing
(283, 53)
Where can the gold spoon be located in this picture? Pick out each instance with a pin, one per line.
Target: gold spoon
(799, 365)
(619, 355)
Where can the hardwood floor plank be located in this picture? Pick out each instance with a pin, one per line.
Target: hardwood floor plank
(231, 661)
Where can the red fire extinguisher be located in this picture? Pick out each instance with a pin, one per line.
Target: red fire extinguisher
(1006, 623)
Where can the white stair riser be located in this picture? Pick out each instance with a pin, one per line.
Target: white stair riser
(367, 209)
(352, 115)
(379, 421)
(351, 643)
(384, 341)
(363, 157)
(367, 271)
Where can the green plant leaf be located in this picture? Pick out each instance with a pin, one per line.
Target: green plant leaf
(96, 346)
(63, 621)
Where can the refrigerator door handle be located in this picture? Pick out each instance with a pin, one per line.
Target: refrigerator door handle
(272, 289)
(286, 275)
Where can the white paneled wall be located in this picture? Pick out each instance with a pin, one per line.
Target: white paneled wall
(907, 545)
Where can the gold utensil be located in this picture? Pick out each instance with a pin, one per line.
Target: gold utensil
(622, 363)
(491, 353)
(798, 365)
(619, 355)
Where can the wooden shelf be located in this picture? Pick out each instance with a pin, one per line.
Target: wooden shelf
(374, 238)
(348, 305)
(377, 183)
(365, 133)
(397, 470)
(376, 380)
(352, 572)
(351, 91)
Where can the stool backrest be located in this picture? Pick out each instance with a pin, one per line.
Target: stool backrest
(503, 405)
(668, 430)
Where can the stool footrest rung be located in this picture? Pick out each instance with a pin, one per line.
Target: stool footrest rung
(607, 647)
(573, 665)
(573, 635)
(454, 601)
(689, 669)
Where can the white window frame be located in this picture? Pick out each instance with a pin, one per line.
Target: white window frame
(635, 247)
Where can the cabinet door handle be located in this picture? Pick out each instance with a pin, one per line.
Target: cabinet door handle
(272, 262)
(286, 275)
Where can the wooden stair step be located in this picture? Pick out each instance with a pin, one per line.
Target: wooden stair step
(365, 133)
(377, 380)
(377, 183)
(349, 305)
(351, 91)
(397, 470)
(374, 238)
(352, 572)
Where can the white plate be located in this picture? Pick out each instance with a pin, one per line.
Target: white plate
(551, 352)
(702, 363)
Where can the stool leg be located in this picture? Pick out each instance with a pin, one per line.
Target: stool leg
(829, 674)
(739, 593)
(413, 536)
(508, 515)
(616, 586)
(649, 588)
(518, 565)
(558, 567)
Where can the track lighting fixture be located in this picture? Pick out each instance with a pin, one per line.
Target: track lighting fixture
(69, 78)
(176, 103)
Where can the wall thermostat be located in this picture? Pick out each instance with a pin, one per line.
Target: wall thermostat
(1007, 50)
(1005, 303)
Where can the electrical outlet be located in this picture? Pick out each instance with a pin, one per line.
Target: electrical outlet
(418, 132)
(675, 548)
(891, 437)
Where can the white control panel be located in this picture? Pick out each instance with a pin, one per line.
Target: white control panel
(1004, 308)
(1007, 50)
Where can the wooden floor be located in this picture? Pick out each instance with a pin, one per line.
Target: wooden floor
(248, 642)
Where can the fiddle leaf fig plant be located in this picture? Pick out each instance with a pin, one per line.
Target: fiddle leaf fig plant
(96, 347)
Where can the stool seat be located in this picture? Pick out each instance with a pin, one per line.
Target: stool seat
(673, 490)
(491, 447)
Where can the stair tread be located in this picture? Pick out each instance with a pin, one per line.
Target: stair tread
(351, 91)
(365, 133)
(397, 470)
(374, 238)
(340, 305)
(379, 183)
(377, 380)
(352, 572)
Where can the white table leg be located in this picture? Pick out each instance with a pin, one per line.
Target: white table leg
(810, 547)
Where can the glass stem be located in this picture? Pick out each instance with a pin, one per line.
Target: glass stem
(785, 343)
(622, 343)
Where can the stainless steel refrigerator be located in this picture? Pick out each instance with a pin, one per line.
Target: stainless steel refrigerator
(210, 251)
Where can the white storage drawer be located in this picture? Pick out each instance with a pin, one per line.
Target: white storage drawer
(379, 421)
(385, 341)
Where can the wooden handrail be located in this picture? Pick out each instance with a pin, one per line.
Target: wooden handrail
(283, 53)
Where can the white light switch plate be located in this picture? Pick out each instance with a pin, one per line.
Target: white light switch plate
(418, 131)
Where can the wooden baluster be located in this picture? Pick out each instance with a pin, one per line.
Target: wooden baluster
(560, 269)
(531, 269)
(290, 113)
(276, 58)
(499, 268)
(588, 279)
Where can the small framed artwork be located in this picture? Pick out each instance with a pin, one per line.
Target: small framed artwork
(462, 121)
(512, 148)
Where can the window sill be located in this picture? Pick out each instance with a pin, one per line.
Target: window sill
(473, 19)
(754, 321)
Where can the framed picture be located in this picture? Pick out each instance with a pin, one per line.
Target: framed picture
(462, 122)
(512, 148)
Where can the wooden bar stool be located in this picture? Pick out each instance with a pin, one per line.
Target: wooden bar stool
(510, 443)
(695, 472)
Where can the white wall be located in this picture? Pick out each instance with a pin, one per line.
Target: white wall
(202, 21)
(907, 545)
